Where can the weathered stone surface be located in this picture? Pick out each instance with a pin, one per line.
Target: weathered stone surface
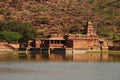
(87, 41)
(7, 46)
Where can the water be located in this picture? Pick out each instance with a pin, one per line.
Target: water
(59, 71)
(15, 68)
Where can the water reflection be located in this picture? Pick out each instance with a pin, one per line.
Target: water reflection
(59, 66)
(60, 56)
(42, 56)
(6, 56)
(115, 57)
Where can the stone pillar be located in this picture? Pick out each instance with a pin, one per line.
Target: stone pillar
(60, 42)
(49, 41)
(53, 42)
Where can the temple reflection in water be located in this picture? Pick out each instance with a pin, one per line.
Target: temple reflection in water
(37, 56)
(66, 46)
(75, 57)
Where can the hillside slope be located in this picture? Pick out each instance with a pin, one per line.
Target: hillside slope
(65, 16)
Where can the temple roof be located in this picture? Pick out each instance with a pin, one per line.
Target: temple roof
(55, 38)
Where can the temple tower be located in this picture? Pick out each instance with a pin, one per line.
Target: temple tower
(89, 30)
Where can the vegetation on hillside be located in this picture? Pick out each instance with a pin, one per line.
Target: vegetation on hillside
(14, 32)
(63, 16)
(8, 36)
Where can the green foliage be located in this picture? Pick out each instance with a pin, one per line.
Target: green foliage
(8, 36)
(2, 11)
(60, 16)
(109, 14)
(91, 1)
(8, 13)
(115, 3)
(16, 4)
(44, 36)
(24, 29)
(36, 10)
(102, 32)
(27, 32)
(116, 36)
(118, 23)
(75, 28)
(43, 20)
(68, 3)
(108, 32)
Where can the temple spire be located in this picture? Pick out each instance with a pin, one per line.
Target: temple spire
(90, 29)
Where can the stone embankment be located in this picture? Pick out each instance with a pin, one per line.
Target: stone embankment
(4, 46)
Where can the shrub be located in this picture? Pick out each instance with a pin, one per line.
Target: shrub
(24, 29)
(11, 37)
(43, 20)
(2, 12)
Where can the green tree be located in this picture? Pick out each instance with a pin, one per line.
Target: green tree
(8, 36)
(26, 30)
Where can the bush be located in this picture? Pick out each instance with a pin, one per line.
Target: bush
(11, 37)
(24, 29)
(43, 20)
(116, 36)
(2, 12)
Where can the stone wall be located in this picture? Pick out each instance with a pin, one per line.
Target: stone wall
(85, 44)
(80, 44)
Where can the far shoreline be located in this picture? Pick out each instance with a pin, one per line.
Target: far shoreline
(3, 51)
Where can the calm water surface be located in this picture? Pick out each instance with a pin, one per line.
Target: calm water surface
(13, 68)
(31, 70)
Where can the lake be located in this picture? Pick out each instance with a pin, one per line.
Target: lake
(32, 67)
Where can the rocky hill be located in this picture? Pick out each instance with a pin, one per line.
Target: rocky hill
(65, 16)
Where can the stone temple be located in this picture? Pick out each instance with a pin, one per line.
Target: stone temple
(87, 41)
